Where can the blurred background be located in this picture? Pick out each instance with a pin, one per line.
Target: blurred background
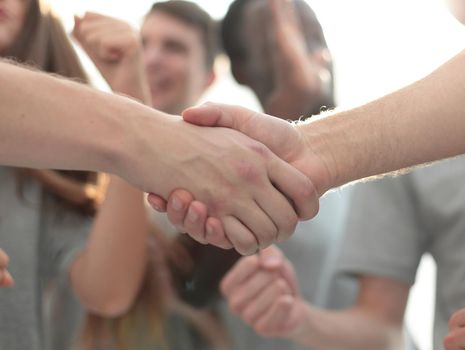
(400, 42)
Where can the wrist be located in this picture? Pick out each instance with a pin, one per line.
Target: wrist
(302, 333)
(320, 162)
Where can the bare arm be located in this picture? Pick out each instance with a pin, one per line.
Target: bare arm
(52, 123)
(267, 298)
(374, 322)
(421, 123)
(108, 273)
(418, 124)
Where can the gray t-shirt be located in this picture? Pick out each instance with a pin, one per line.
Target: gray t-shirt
(394, 221)
(40, 243)
(312, 250)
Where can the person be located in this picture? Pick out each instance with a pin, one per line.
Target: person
(288, 69)
(390, 225)
(47, 214)
(110, 154)
(169, 68)
(397, 131)
(280, 35)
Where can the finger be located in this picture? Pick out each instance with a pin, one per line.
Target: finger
(210, 114)
(7, 280)
(215, 234)
(455, 340)
(240, 272)
(243, 240)
(77, 27)
(157, 202)
(255, 125)
(264, 301)
(279, 211)
(288, 273)
(178, 204)
(457, 319)
(4, 259)
(271, 258)
(295, 186)
(195, 220)
(89, 15)
(104, 44)
(270, 323)
(284, 13)
(258, 221)
(249, 291)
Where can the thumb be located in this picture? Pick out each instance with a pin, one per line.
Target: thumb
(271, 258)
(222, 115)
(77, 26)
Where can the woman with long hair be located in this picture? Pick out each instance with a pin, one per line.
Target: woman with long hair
(47, 215)
(157, 318)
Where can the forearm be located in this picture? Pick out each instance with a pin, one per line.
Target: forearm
(133, 83)
(108, 273)
(58, 124)
(350, 329)
(418, 124)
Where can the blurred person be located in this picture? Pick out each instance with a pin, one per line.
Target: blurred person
(45, 213)
(170, 67)
(278, 49)
(109, 153)
(264, 291)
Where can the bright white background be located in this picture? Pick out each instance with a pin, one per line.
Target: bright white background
(377, 46)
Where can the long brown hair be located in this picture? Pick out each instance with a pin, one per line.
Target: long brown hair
(44, 44)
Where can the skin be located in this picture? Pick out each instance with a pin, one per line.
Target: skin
(12, 16)
(394, 132)
(5, 277)
(289, 79)
(263, 291)
(108, 273)
(174, 58)
(455, 339)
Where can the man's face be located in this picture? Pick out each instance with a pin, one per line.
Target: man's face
(175, 62)
(12, 13)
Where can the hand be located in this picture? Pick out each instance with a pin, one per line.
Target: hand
(301, 79)
(284, 139)
(263, 291)
(244, 185)
(5, 278)
(455, 340)
(116, 50)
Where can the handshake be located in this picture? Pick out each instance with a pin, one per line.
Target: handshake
(251, 186)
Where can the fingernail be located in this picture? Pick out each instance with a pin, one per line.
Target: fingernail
(272, 261)
(192, 215)
(177, 204)
(155, 207)
(210, 232)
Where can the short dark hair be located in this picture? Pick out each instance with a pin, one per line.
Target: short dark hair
(195, 16)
